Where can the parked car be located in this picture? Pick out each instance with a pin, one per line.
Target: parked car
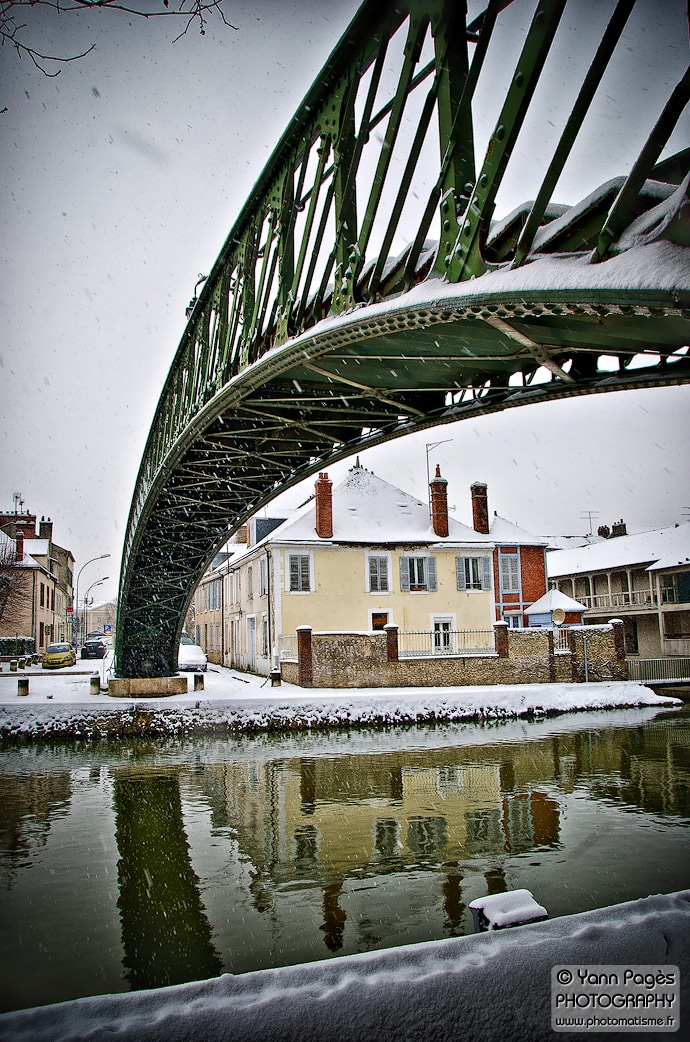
(94, 648)
(59, 655)
(190, 656)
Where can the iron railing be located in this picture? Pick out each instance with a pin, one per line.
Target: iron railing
(623, 599)
(659, 670)
(421, 644)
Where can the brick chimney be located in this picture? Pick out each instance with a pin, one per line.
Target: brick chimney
(480, 507)
(438, 488)
(19, 545)
(45, 530)
(324, 506)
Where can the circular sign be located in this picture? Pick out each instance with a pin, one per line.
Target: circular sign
(558, 616)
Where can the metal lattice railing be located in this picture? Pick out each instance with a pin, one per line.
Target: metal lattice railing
(445, 643)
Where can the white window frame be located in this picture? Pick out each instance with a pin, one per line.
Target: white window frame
(461, 573)
(430, 583)
(449, 620)
(263, 577)
(288, 578)
(382, 555)
(379, 611)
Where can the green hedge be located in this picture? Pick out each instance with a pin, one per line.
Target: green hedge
(17, 646)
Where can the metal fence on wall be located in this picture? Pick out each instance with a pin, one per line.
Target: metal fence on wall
(445, 642)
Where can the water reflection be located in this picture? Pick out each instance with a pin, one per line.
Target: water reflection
(165, 932)
(234, 856)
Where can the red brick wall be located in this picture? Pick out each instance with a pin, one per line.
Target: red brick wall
(532, 578)
(533, 573)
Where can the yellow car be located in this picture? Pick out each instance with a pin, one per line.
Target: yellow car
(59, 655)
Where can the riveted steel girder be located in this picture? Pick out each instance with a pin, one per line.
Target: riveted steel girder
(312, 338)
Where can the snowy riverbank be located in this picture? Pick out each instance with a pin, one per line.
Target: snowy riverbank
(489, 988)
(59, 705)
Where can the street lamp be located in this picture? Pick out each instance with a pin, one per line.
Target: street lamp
(86, 600)
(76, 599)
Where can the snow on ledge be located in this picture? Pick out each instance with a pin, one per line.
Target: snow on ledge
(490, 987)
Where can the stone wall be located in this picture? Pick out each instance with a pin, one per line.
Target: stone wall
(358, 660)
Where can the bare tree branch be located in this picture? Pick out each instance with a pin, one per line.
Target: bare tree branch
(13, 585)
(14, 31)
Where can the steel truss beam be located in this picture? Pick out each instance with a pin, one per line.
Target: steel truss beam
(311, 340)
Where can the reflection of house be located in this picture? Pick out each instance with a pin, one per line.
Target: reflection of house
(41, 609)
(519, 561)
(354, 558)
(642, 579)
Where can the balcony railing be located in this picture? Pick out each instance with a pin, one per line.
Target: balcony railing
(624, 599)
(445, 642)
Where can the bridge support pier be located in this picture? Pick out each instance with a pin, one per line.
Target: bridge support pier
(146, 687)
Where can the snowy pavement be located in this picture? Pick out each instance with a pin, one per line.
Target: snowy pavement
(491, 987)
(59, 704)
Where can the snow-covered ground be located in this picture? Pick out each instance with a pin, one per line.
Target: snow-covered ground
(59, 703)
(492, 987)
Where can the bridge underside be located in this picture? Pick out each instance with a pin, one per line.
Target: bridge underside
(312, 339)
(386, 372)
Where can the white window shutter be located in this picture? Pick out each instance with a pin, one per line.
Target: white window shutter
(431, 562)
(404, 575)
(460, 573)
(486, 577)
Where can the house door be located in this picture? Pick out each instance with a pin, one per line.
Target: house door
(251, 642)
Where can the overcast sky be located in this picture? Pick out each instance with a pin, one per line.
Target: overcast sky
(122, 177)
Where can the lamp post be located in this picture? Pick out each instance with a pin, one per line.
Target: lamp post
(76, 598)
(86, 600)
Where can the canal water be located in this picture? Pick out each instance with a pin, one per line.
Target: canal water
(136, 864)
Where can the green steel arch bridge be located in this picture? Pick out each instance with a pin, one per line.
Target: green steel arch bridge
(366, 290)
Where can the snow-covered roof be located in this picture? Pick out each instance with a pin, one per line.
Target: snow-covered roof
(554, 599)
(37, 547)
(369, 510)
(507, 533)
(28, 561)
(663, 548)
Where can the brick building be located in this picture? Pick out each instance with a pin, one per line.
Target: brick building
(519, 561)
(46, 588)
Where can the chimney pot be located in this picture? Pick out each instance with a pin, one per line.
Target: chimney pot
(480, 507)
(324, 506)
(438, 488)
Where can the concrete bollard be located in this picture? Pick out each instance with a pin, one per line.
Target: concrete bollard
(198, 681)
(13, 665)
(22, 663)
(94, 684)
(22, 685)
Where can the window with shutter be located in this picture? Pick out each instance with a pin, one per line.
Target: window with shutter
(473, 573)
(510, 573)
(417, 574)
(378, 574)
(299, 573)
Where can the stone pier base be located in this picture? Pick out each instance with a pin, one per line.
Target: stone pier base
(146, 687)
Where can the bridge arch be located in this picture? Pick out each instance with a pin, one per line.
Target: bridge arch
(315, 335)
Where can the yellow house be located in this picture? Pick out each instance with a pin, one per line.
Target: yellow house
(354, 558)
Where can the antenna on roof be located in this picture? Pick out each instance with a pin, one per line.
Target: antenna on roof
(589, 514)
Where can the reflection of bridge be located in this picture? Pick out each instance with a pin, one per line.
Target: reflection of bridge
(364, 292)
